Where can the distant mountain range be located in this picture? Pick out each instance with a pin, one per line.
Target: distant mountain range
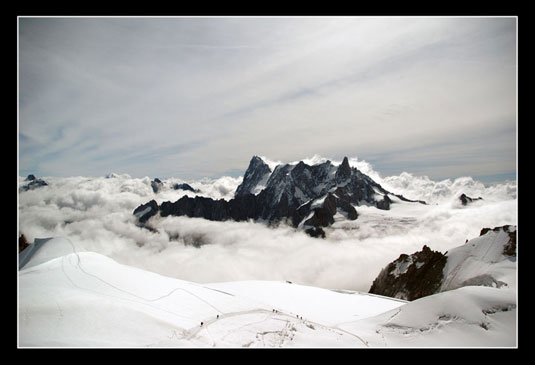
(305, 196)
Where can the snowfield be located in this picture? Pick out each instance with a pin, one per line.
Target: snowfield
(85, 299)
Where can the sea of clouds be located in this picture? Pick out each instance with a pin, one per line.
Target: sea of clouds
(96, 215)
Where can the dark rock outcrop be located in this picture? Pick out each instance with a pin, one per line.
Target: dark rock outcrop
(510, 247)
(343, 173)
(184, 186)
(156, 185)
(411, 277)
(385, 203)
(23, 243)
(239, 209)
(34, 183)
(145, 211)
(466, 199)
(401, 197)
(426, 272)
(255, 175)
(323, 214)
(316, 232)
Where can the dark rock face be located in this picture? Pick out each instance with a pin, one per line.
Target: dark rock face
(316, 232)
(34, 183)
(23, 243)
(257, 173)
(323, 215)
(184, 186)
(156, 185)
(291, 190)
(385, 203)
(466, 199)
(510, 248)
(289, 187)
(411, 277)
(239, 209)
(409, 200)
(322, 218)
(343, 173)
(145, 211)
(301, 194)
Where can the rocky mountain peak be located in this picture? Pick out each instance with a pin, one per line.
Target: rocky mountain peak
(343, 172)
(411, 276)
(255, 177)
(465, 199)
(156, 185)
(34, 183)
(308, 196)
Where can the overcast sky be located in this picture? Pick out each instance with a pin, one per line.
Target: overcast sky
(198, 97)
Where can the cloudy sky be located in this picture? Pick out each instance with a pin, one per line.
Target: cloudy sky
(198, 97)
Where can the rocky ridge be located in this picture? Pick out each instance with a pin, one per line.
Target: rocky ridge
(305, 196)
(465, 199)
(34, 183)
(410, 277)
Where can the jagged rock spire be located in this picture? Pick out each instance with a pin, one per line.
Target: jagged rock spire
(344, 171)
(256, 174)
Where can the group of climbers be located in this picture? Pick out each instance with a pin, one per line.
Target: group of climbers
(273, 310)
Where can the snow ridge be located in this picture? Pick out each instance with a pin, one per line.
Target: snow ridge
(84, 299)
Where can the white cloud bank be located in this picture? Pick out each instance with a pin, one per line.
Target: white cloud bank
(96, 215)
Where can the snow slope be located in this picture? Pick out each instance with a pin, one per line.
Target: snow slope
(84, 299)
(471, 316)
(481, 261)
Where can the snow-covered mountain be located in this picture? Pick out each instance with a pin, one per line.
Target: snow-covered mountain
(84, 299)
(307, 196)
(488, 260)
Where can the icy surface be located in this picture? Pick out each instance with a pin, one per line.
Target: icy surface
(472, 316)
(43, 250)
(481, 261)
(402, 267)
(84, 299)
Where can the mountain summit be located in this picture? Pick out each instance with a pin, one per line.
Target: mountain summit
(255, 177)
(306, 196)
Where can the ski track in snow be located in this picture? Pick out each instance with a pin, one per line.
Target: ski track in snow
(193, 332)
(139, 299)
(256, 325)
